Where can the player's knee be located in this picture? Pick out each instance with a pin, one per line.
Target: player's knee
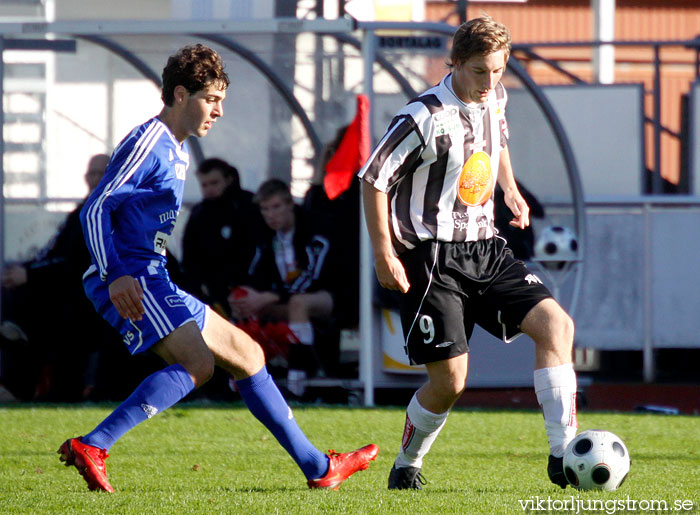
(451, 387)
(201, 370)
(563, 329)
(256, 357)
(456, 389)
(246, 356)
(552, 326)
(558, 337)
(569, 328)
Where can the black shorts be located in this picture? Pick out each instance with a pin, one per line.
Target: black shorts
(454, 286)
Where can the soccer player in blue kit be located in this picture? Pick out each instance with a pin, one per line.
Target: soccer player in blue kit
(127, 221)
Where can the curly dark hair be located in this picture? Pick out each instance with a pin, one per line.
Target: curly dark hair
(227, 170)
(480, 36)
(194, 67)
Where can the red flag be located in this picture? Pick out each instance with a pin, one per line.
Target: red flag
(352, 152)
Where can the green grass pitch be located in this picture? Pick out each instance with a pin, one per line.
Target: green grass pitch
(219, 459)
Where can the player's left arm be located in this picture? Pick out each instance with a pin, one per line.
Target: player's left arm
(513, 199)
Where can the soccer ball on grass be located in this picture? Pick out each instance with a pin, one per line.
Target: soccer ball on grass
(596, 460)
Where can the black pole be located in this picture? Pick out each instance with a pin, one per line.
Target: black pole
(462, 10)
(2, 168)
(656, 184)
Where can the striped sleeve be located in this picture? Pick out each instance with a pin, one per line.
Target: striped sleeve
(126, 169)
(395, 155)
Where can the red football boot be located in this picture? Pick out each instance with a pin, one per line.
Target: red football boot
(90, 462)
(342, 466)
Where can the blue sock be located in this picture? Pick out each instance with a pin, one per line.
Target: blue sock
(266, 403)
(156, 393)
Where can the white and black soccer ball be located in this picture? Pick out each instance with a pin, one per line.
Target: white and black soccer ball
(556, 245)
(596, 460)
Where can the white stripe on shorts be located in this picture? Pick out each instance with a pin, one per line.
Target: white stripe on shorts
(155, 313)
(140, 335)
(430, 281)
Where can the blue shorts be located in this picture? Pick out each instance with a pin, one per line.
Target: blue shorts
(166, 306)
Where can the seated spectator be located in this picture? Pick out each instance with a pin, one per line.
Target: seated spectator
(343, 214)
(288, 277)
(219, 242)
(43, 294)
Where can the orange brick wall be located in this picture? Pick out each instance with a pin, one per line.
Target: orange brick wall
(635, 20)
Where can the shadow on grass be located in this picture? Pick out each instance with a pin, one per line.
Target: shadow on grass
(188, 405)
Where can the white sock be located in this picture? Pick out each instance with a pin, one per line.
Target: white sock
(295, 380)
(420, 431)
(556, 393)
(304, 332)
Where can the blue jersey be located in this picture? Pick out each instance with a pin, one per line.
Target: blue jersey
(129, 217)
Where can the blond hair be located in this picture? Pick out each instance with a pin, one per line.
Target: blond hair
(480, 36)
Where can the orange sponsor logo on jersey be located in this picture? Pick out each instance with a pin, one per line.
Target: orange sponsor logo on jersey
(476, 181)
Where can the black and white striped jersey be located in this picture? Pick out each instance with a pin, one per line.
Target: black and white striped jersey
(438, 164)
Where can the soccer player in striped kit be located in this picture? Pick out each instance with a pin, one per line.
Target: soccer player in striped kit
(127, 221)
(428, 196)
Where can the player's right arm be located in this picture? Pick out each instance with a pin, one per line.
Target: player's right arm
(123, 175)
(126, 293)
(390, 271)
(96, 218)
(392, 161)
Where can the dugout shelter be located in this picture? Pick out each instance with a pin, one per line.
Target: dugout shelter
(75, 88)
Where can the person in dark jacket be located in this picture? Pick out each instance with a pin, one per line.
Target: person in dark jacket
(58, 267)
(343, 212)
(219, 239)
(289, 276)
